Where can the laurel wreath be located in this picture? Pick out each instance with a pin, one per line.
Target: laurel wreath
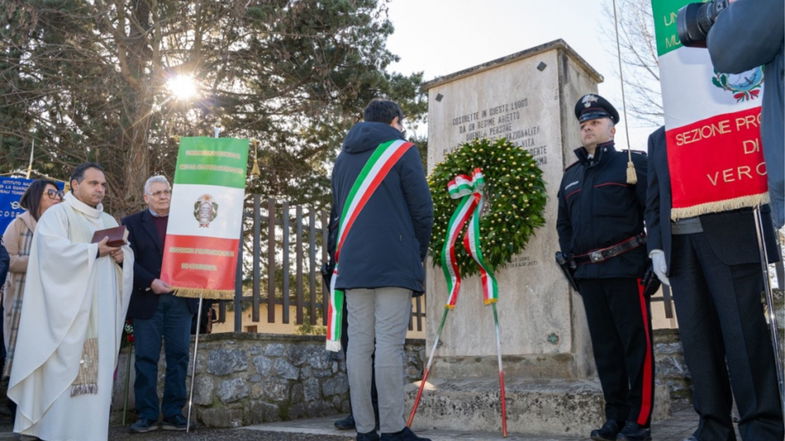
(515, 200)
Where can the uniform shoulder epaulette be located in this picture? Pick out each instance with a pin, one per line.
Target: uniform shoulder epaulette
(572, 165)
(639, 152)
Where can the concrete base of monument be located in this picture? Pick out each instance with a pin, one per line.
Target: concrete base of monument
(534, 407)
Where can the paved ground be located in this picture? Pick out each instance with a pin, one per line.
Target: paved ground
(678, 427)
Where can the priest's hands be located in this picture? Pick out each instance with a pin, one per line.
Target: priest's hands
(115, 252)
(159, 287)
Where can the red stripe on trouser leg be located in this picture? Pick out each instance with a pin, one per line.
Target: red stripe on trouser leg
(647, 382)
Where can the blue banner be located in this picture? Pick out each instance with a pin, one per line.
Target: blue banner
(11, 190)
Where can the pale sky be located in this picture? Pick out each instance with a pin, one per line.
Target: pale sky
(444, 36)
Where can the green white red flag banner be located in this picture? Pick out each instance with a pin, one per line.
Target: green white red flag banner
(371, 176)
(712, 125)
(469, 191)
(205, 217)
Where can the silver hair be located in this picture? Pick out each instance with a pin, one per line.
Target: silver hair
(152, 180)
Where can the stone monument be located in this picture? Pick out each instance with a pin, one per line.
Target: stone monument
(528, 98)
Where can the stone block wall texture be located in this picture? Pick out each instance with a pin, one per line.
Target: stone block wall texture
(670, 368)
(246, 378)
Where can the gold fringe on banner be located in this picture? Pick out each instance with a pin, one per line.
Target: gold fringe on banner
(719, 206)
(195, 293)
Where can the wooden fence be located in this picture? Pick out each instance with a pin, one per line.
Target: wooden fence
(287, 249)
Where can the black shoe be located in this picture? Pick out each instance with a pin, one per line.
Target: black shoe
(634, 432)
(403, 435)
(346, 423)
(607, 432)
(143, 425)
(176, 422)
(370, 436)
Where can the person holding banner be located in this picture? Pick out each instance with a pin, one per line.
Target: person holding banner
(712, 263)
(382, 240)
(157, 314)
(75, 299)
(600, 226)
(748, 34)
(18, 237)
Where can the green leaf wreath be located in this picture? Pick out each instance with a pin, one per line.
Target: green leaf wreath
(515, 200)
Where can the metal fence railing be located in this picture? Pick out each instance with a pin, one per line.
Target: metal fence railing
(279, 268)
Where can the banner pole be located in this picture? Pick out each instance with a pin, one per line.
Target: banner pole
(127, 382)
(30, 163)
(427, 372)
(193, 365)
(502, 388)
(759, 230)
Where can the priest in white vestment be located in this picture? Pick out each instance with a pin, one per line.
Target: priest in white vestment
(76, 297)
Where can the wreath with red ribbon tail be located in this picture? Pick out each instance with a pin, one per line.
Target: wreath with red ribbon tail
(516, 198)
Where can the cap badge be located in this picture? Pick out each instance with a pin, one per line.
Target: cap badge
(589, 99)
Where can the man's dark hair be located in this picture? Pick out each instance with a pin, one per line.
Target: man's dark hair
(31, 199)
(380, 110)
(78, 173)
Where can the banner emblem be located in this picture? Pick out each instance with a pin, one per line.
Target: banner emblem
(744, 86)
(205, 210)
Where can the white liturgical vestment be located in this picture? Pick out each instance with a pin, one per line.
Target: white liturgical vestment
(70, 294)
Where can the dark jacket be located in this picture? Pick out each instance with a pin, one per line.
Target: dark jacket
(148, 249)
(751, 33)
(731, 234)
(389, 239)
(597, 209)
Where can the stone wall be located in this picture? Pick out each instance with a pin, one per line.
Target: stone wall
(246, 378)
(670, 368)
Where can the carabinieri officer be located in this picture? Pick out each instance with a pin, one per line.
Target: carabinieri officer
(600, 226)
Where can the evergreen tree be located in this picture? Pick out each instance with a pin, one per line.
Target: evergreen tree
(87, 79)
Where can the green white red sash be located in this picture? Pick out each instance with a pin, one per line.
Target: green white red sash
(469, 190)
(371, 176)
(712, 125)
(203, 232)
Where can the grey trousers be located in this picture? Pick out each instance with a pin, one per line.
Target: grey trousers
(380, 314)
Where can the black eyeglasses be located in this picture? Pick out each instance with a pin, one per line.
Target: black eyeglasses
(55, 194)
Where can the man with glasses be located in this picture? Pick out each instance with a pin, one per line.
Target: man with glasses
(157, 313)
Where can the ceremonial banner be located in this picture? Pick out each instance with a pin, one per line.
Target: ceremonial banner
(203, 233)
(712, 125)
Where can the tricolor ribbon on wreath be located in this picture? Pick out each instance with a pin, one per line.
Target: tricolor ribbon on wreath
(371, 176)
(470, 192)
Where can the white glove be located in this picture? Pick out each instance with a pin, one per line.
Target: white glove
(659, 266)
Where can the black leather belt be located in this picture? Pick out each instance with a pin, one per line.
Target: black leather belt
(603, 254)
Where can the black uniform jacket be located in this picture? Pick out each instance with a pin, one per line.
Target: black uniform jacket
(731, 234)
(597, 209)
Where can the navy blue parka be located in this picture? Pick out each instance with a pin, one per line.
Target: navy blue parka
(387, 245)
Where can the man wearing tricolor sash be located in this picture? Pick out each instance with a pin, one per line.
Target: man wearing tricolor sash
(600, 225)
(384, 213)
